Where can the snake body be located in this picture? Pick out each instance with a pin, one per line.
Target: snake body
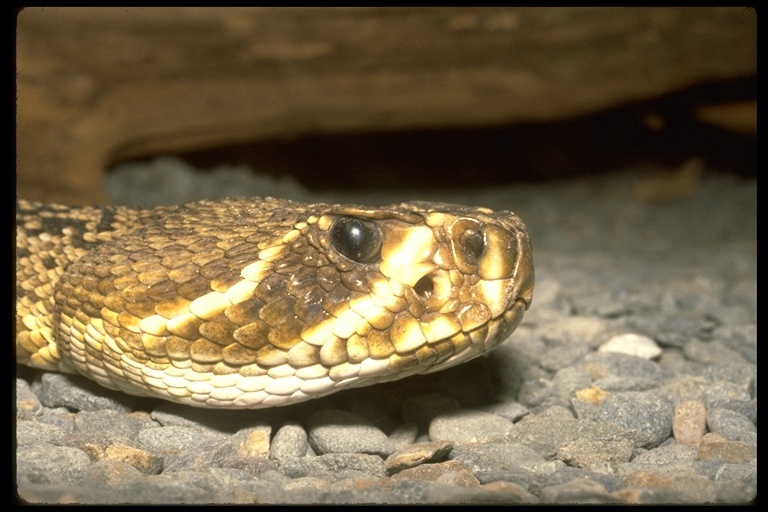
(253, 303)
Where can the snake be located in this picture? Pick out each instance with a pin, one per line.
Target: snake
(262, 302)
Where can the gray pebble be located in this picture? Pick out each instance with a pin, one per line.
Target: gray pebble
(467, 425)
(341, 464)
(740, 375)
(555, 411)
(246, 450)
(610, 482)
(740, 337)
(596, 453)
(731, 473)
(507, 456)
(604, 364)
(583, 444)
(28, 406)
(44, 463)
(648, 414)
(732, 425)
(112, 423)
(569, 380)
(735, 492)
(563, 356)
(722, 391)
(81, 394)
(616, 383)
(711, 352)
(667, 455)
(509, 409)
(577, 490)
(110, 474)
(33, 432)
(677, 329)
(290, 441)
(576, 330)
(536, 392)
(337, 431)
(746, 408)
(174, 439)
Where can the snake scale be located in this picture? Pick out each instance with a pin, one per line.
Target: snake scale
(252, 303)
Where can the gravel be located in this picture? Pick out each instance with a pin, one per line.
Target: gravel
(631, 380)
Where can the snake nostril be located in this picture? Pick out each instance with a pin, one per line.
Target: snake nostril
(424, 287)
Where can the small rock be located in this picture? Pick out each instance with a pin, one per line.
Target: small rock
(141, 460)
(575, 330)
(711, 352)
(633, 345)
(577, 491)
(732, 425)
(747, 408)
(417, 454)
(484, 458)
(78, 393)
(289, 441)
(715, 446)
(34, 432)
(512, 492)
(450, 473)
(667, 455)
(27, 404)
(44, 463)
(648, 414)
(595, 453)
(535, 392)
(337, 431)
(690, 422)
(509, 409)
(568, 473)
(174, 439)
(351, 464)
(594, 395)
(562, 356)
(111, 423)
(251, 442)
(468, 426)
(604, 364)
(111, 474)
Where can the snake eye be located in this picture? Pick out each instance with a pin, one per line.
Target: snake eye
(357, 239)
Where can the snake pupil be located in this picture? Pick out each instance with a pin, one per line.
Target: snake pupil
(357, 239)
